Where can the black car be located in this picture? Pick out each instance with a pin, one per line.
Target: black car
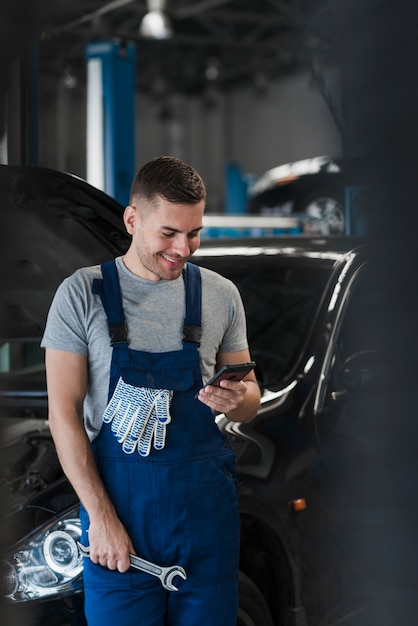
(301, 461)
(305, 301)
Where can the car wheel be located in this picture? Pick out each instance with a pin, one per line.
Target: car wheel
(253, 609)
(324, 215)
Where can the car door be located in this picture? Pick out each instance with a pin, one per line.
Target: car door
(343, 411)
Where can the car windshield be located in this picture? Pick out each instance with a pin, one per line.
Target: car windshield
(281, 299)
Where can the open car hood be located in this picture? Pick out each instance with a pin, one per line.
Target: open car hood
(51, 223)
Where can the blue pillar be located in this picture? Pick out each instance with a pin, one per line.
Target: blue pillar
(111, 117)
(355, 208)
(236, 189)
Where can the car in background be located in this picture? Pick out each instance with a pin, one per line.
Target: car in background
(325, 195)
(298, 462)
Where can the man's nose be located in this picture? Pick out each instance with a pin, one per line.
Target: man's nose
(182, 245)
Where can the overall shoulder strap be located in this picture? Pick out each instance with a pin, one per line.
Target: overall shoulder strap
(192, 329)
(109, 291)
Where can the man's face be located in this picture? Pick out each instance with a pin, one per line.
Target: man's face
(163, 238)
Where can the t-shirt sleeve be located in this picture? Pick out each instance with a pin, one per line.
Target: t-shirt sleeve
(235, 338)
(223, 315)
(66, 321)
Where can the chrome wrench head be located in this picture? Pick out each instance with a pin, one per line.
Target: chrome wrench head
(165, 574)
(169, 574)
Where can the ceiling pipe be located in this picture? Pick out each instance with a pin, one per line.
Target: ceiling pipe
(89, 17)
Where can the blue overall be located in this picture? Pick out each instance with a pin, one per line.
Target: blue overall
(178, 504)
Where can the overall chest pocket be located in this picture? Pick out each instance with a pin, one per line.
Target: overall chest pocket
(168, 377)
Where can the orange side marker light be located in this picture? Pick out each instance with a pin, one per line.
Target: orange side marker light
(298, 505)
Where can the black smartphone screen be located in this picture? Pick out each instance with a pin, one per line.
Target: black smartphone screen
(237, 371)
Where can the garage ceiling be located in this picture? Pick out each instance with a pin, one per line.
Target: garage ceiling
(215, 42)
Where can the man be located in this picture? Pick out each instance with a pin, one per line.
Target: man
(128, 346)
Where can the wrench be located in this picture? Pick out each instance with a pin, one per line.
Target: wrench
(165, 574)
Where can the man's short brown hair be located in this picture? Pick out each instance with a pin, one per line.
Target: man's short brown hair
(170, 177)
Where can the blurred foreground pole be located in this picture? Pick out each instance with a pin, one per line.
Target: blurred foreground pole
(19, 28)
(379, 51)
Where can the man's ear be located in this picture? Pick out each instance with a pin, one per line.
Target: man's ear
(130, 218)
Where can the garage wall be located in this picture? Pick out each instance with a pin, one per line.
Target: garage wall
(290, 121)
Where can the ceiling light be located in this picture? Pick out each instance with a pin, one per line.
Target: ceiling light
(155, 24)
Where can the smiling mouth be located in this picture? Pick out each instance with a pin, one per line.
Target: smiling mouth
(173, 261)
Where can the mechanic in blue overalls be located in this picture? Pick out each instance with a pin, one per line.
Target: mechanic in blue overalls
(155, 476)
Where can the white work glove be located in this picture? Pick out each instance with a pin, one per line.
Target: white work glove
(139, 415)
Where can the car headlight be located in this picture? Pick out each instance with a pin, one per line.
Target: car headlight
(46, 563)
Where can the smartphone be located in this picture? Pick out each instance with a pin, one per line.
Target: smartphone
(237, 371)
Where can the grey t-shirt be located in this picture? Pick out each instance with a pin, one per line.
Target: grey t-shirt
(154, 313)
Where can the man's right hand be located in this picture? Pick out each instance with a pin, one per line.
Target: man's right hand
(110, 544)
